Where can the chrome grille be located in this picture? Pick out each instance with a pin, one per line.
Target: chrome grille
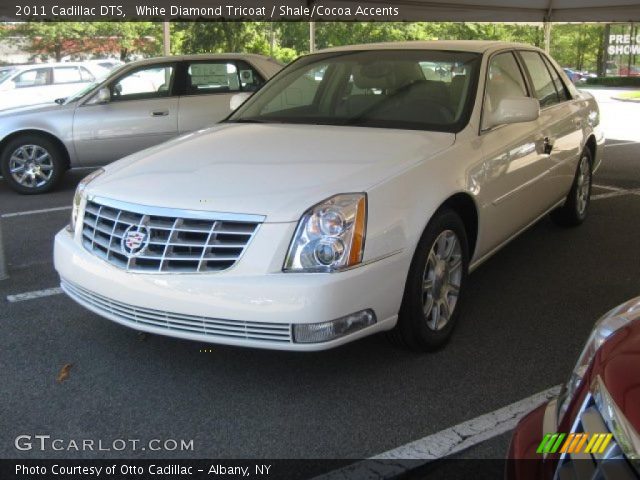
(172, 241)
(135, 316)
(599, 465)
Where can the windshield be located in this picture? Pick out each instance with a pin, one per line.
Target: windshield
(408, 89)
(5, 73)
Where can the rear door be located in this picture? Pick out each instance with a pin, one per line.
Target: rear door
(142, 112)
(208, 88)
(560, 122)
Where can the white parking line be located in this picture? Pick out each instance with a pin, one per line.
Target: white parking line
(21, 297)
(398, 461)
(33, 212)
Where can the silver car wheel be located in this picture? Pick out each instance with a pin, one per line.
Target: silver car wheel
(583, 186)
(31, 166)
(441, 280)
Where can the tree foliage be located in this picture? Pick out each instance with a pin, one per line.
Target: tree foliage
(577, 46)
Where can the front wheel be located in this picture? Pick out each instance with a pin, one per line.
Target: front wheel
(435, 285)
(31, 164)
(576, 206)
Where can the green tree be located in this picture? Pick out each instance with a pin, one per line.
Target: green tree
(56, 39)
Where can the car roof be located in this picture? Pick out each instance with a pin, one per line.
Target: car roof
(478, 46)
(47, 65)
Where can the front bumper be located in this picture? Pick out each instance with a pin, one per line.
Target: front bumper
(242, 309)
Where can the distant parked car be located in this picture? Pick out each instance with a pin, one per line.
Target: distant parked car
(139, 105)
(591, 430)
(632, 71)
(44, 83)
(573, 75)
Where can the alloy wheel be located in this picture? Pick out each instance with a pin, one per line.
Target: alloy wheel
(583, 186)
(31, 166)
(441, 280)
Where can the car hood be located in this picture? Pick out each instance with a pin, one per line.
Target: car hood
(617, 362)
(37, 109)
(276, 170)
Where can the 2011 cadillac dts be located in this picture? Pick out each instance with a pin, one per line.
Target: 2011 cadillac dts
(351, 195)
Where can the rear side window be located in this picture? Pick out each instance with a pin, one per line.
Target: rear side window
(66, 75)
(87, 76)
(563, 93)
(543, 86)
(221, 77)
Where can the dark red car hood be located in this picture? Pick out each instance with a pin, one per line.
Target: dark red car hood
(617, 362)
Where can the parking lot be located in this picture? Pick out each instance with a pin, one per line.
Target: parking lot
(529, 312)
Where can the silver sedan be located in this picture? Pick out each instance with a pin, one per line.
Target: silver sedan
(139, 105)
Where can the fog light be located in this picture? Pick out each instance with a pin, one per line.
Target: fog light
(326, 331)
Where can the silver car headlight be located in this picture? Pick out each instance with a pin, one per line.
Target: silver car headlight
(330, 235)
(77, 197)
(606, 326)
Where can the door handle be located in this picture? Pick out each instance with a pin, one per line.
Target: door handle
(162, 113)
(547, 146)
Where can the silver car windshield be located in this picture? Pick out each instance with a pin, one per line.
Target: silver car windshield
(406, 89)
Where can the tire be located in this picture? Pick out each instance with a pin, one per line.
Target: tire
(32, 164)
(576, 206)
(423, 322)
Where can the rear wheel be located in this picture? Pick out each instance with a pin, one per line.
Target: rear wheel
(435, 285)
(575, 208)
(31, 164)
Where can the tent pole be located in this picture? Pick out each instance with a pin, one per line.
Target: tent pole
(547, 36)
(312, 37)
(166, 38)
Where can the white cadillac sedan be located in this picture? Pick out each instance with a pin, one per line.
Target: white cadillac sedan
(351, 195)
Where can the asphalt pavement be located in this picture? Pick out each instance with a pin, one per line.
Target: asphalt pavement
(529, 311)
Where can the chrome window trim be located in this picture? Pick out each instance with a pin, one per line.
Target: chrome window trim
(176, 212)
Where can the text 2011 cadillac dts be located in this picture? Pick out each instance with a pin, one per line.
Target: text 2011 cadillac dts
(351, 195)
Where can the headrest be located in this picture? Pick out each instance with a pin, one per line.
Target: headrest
(376, 74)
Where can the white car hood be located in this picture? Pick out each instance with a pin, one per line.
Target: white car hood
(275, 170)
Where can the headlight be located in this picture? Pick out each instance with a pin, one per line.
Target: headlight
(77, 197)
(606, 326)
(330, 236)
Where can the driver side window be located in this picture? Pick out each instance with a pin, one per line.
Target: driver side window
(153, 81)
(504, 80)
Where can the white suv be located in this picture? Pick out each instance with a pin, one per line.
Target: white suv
(46, 82)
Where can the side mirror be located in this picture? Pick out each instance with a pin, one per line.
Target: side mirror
(104, 95)
(238, 99)
(514, 110)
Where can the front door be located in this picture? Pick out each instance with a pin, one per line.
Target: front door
(142, 112)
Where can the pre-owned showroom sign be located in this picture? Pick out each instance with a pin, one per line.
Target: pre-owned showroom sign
(623, 44)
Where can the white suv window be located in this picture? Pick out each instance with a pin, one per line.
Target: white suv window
(35, 77)
(66, 75)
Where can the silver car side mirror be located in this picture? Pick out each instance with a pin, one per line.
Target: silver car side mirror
(104, 96)
(238, 99)
(514, 110)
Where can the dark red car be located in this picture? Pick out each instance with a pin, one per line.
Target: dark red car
(591, 430)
